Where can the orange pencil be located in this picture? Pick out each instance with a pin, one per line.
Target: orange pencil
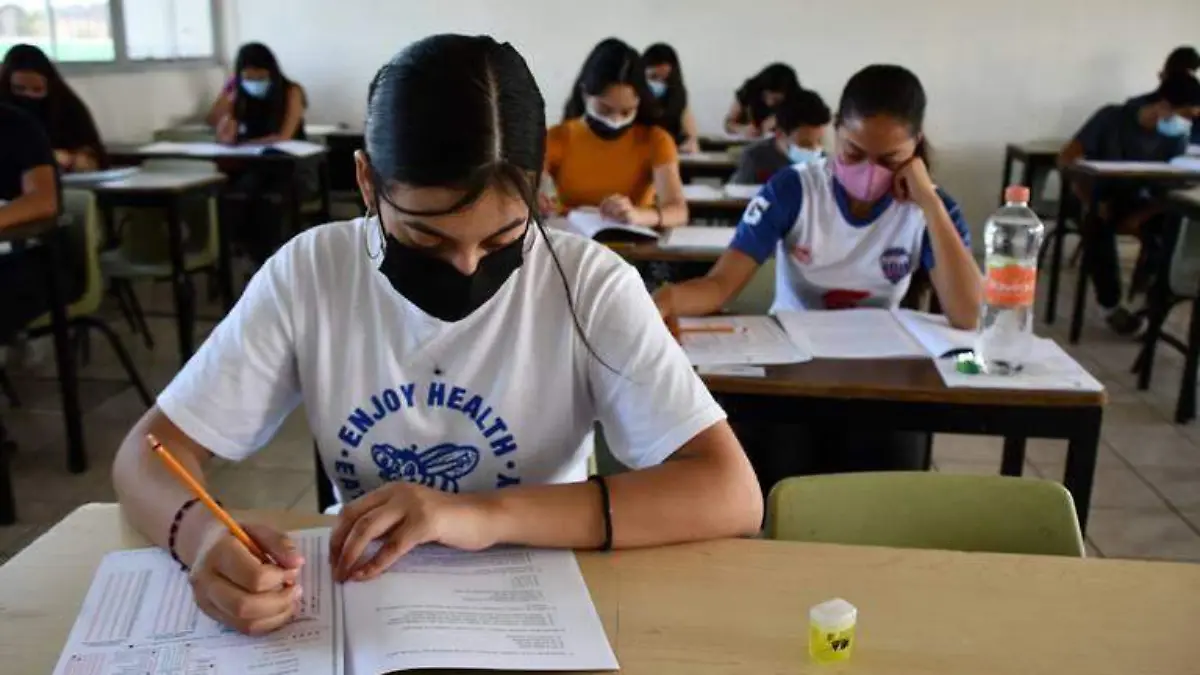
(709, 329)
(200, 493)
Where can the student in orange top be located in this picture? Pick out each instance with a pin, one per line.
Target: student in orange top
(610, 151)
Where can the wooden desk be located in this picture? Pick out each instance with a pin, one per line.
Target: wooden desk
(653, 252)
(908, 395)
(722, 142)
(1087, 176)
(1034, 156)
(706, 165)
(741, 606)
(47, 234)
(1180, 205)
(169, 191)
(279, 163)
(726, 209)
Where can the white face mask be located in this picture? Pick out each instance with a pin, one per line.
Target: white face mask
(613, 123)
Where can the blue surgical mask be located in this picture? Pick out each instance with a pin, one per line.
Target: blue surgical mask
(799, 155)
(1175, 126)
(256, 88)
(658, 88)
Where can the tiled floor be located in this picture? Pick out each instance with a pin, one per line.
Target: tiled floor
(1146, 503)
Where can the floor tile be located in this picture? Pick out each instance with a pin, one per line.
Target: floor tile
(1180, 486)
(1092, 551)
(1143, 533)
(1122, 488)
(1155, 447)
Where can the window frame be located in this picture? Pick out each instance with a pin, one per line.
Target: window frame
(121, 62)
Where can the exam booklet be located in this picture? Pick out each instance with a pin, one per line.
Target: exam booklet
(873, 333)
(504, 609)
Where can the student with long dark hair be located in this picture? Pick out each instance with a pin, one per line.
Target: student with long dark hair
(444, 346)
(849, 232)
(259, 104)
(754, 102)
(664, 76)
(610, 150)
(29, 80)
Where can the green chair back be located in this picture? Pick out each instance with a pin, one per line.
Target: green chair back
(927, 510)
(143, 231)
(79, 212)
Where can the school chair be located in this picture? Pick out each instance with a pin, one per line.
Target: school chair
(81, 215)
(1183, 282)
(142, 251)
(997, 514)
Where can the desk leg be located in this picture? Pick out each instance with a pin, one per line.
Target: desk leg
(64, 357)
(1158, 304)
(1085, 268)
(1013, 461)
(224, 258)
(1082, 448)
(1185, 408)
(1008, 165)
(185, 296)
(8, 502)
(1056, 256)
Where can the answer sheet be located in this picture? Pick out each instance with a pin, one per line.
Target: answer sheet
(738, 340)
(850, 334)
(697, 238)
(139, 617)
(503, 609)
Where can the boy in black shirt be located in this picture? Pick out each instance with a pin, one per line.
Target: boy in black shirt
(1153, 128)
(801, 122)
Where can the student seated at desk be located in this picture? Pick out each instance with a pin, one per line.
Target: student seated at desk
(665, 77)
(28, 193)
(445, 346)
(610, 151)
(798, 138)
(1181, 60)
(1155, 128)
(259, 104)
(754, 103)
(849, 232)
(29, 80)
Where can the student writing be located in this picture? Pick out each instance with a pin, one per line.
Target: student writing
(28, 80)
(610, 151)
(664, 75)
(798, 138)
(753, 108)
(443, 347)
(259, 104)
(1154, 127)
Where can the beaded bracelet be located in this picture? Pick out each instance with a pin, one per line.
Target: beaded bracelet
(174, 531)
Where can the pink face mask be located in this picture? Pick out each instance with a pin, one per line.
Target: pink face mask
(864, 181)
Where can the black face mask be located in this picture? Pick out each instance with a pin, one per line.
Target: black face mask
(33, 106)
(604, 131)
(438, 288)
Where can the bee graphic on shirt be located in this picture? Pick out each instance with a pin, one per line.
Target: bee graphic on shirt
(439, 467)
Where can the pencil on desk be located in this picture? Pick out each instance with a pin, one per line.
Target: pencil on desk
(200, 493)
(708, 329)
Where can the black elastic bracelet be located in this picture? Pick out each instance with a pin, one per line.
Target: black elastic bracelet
(606, 509)
(174, 532)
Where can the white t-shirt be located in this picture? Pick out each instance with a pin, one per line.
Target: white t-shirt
(502, 397)
(828, 258)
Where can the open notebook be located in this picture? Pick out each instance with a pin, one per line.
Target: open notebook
(504, 609)
(873, 333)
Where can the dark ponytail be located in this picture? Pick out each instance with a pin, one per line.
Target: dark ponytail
(460, 112)
(887, 90)
(610, 63)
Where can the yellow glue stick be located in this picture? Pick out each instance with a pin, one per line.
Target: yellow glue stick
(831, 631)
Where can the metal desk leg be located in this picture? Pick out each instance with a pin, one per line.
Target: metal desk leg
(224, 257)
(1013, 461)
(1082, 448)
(64, 357)
(185, 296)
(1158, 305)
(1085, 269)
(1056, 256)
(1185, 407)
(8, 502)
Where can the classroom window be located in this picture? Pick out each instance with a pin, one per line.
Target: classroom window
(115, 32)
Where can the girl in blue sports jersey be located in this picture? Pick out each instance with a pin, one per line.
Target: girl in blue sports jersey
(849, 232)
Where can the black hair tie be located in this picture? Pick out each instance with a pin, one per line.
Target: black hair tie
(606, 509)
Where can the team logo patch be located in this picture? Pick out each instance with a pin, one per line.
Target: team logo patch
(438, 467)
(755, 209)
(896, 263)
(802, 254)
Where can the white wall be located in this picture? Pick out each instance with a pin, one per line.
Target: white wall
(994, 72)
(129, 107)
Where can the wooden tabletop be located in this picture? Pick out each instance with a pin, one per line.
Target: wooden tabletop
(653, 252)
(125, 154)
(26, 231)
(710, 159)
(907, 380)
(1038, 150)
(152, 182)
(740, 606)
(1165, 175)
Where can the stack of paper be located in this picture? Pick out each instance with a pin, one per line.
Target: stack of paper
(208, 149)
(1189, 162)
(873, 333)
(1048, 368)
(697, 238)
(85, 178)
(504, 609)
(738, 340)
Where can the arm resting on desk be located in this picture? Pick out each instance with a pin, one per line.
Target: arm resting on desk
(38, 201)
(708, 294)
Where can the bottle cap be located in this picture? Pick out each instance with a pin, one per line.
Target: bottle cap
(833, 615)
(1016, 193)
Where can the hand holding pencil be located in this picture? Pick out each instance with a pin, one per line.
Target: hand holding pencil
(244, 576)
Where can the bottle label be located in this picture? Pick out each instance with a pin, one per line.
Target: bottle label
(1011, 285)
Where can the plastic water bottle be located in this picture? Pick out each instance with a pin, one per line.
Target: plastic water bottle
(1012, 236)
